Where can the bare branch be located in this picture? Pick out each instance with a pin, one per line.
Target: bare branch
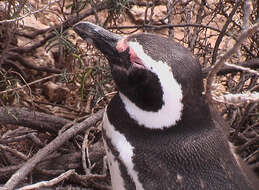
(238, 99)
(65, 25)
(223, 31)
(85, 154)
(163, 26)
(30, 13)
(49, 183)
(53, 145)
(247, 12)
(31, 119)
(252, 64)
(13, 151)
(227, 55)
(31, 83)
(237, 67)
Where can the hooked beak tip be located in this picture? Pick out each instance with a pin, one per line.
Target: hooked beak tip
(101, 38)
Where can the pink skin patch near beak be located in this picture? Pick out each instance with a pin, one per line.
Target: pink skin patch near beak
(122, 46)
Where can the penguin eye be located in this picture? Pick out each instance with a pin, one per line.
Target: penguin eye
(124, 56)
(138, 64)
(125, 53)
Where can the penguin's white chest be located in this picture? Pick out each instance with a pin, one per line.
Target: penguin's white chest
(117, 180)
(125, 156)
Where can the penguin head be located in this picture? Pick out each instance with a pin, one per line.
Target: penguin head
(154, 75)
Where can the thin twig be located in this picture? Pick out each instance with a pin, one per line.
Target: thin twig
(15, 57)
(49, 183)
(48, 149)
(163, 26)
(85, 154)
(13, 151)
(169, 7)
(65, 25)
(247, 12)
(68, 125)
(31, 83)
(152, 13)
(238, 67)
(237, 99)
(223, 31)
(219, 64)
(26, 84)
(199, 18)
(29, 13)
(31, 136)
(252, 64)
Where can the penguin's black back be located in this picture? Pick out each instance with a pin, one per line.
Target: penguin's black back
(192, 155)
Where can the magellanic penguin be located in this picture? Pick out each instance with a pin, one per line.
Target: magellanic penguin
(158, 130)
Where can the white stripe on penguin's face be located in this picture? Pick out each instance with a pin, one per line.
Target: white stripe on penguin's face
(171, 110)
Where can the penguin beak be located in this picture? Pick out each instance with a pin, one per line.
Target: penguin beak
(102, 39)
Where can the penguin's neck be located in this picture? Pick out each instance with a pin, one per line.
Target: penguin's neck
(170, 113)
